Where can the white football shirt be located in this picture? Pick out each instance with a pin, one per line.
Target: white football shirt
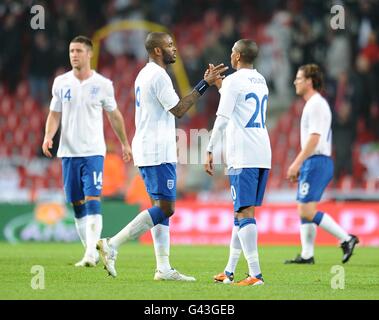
(243, 101)
(317, 118)
(154, 141)
(81, 104)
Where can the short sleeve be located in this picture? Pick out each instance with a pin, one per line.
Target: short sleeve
(56, 102)
(109, 102)
(165, 92)
(228, 99)
(316, 117)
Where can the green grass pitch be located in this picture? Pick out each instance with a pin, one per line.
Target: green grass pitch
(136, 264)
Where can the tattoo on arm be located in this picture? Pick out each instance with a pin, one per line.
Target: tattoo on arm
(185, 104)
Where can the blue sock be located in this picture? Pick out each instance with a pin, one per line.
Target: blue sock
(318, 217)
(93, 207)
(259, 276)
(245, 221)
(157, 215)
(80, 211)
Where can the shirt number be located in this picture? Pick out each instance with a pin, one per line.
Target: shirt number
(67, 95)
(259, 106)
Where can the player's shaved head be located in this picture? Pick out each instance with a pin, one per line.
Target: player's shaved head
(248, 50)
(155, 40)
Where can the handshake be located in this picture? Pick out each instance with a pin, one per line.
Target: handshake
(213, 75)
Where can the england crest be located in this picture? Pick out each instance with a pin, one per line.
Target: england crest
(94, 91)
(170, 183)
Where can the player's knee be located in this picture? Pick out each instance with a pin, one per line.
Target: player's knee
(168, 210)
(305, 213)
(78, 203)
(79, 209)
(167, 207)
(246, 212)
(89, 198)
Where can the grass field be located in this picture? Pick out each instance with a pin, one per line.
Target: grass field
(136, 264)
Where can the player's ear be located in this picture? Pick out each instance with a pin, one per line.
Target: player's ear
(238, 56)
(157, 51)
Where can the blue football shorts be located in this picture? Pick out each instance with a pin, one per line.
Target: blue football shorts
(247, 186)
(82, 176)
(315, 174)
(160, 181)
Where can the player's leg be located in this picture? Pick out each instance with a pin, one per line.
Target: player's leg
(80, 219)
(160, 182)
(315, 175)
(308, 231)
(247, 190)
(235, 250)
(158, 188)
(163, 196)
(92, 176)
(74, 194)
(161, 236)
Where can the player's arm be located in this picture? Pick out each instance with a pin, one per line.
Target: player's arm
(310, 146)
(218, 129)
(210, 78)
(117, 122)
(229, 95)
(52, 124)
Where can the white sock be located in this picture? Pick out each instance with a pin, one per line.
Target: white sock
(307, 236)
(249, 238)
(161, 239)
(329, 225)
(93, 232)
(139, 225)
(81, 229)
(234, 251)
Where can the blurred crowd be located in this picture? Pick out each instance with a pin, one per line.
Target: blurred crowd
(289, 33)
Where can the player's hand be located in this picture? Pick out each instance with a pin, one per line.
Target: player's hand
(126, 153)
(46, 145)
(293, 172)
(218, 82)
(214, 74)
(209, 164)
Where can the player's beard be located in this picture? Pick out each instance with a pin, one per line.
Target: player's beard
(167, 58)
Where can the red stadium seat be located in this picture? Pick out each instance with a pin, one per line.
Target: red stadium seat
(27, 151)
(6, 105)
(12, 122)
(19, 137)
(5, 150)
(29, 106)
(22, 91)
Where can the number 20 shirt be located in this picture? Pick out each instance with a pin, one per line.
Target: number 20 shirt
(244, 96)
